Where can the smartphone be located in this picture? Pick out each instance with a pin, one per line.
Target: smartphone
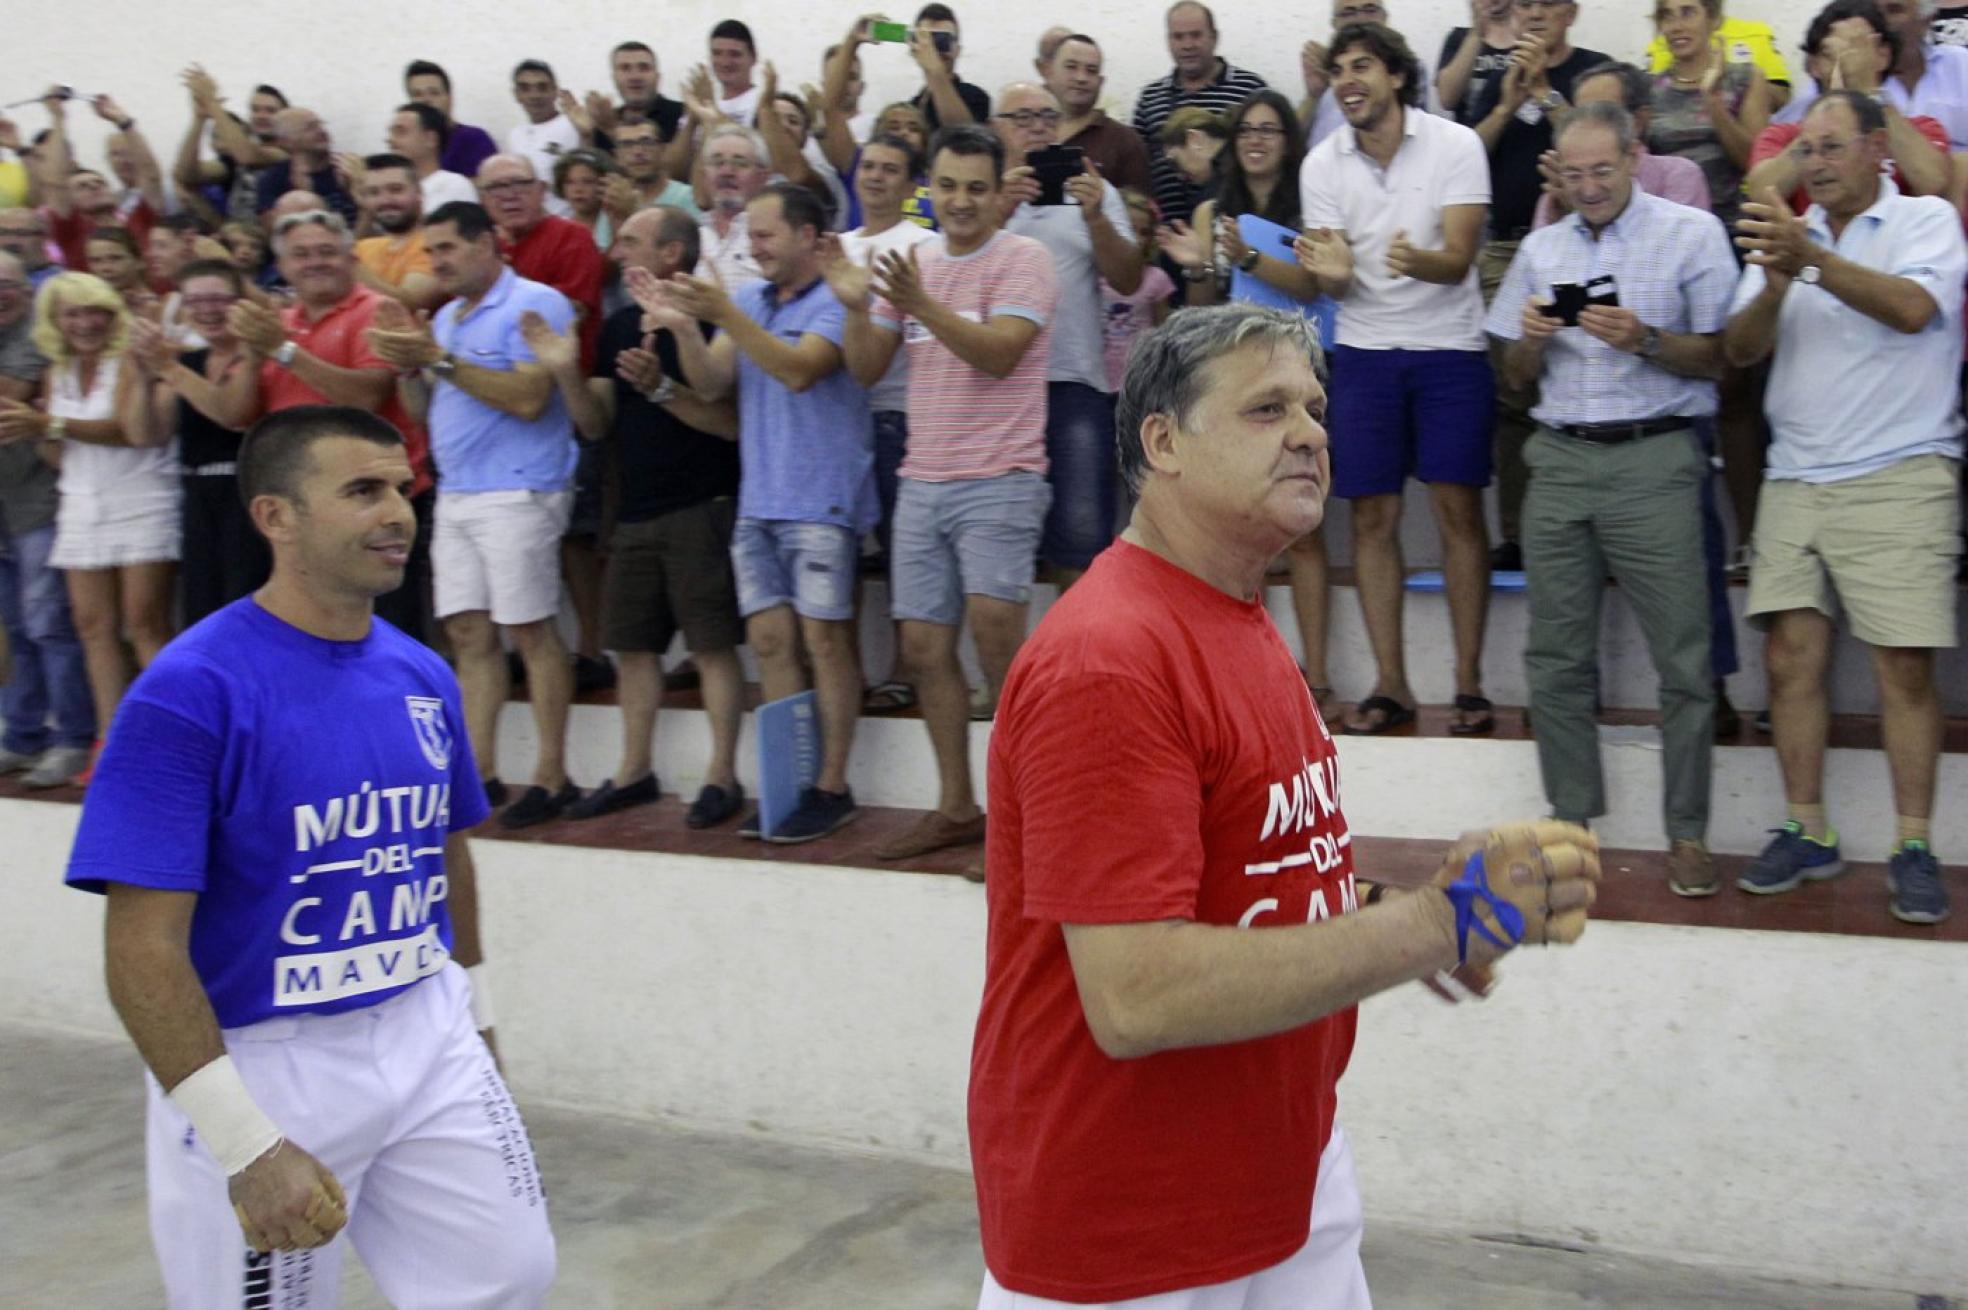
(1054, 165)
(1568, 298)
(944, 42)
(896, 32)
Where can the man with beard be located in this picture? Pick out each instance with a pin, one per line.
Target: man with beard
(395, 264)
(637, 77)
(734, 168)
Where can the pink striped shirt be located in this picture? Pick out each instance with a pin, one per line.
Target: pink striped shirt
(964, 423)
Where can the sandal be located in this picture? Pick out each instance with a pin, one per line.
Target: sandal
(1393, 715)
(1323, 700)
(1482, 727)
(888, 698)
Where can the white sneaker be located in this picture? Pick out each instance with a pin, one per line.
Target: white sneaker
(58, 768)
(15, 762)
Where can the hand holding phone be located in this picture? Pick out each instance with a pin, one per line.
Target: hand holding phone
(1053, 166)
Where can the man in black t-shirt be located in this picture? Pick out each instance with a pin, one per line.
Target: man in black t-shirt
(1473, 56)
(669, 560)
(937, 42)
(1514, 110)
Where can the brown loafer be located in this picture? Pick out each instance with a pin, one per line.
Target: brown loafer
(932, 832)
(1691, 870)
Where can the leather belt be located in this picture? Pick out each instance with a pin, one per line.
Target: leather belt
(1612, 434)
(224, 470)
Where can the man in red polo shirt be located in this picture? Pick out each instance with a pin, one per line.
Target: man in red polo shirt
(1177, 940)
(562, 254)
(315, 352)
(80, 200)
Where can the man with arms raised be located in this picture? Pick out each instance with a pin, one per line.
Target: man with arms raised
(278, 820)
(1177, 939)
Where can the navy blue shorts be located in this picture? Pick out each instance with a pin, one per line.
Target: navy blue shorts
(1400, 414)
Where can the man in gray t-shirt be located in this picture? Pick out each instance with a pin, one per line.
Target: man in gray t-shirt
(47, 672)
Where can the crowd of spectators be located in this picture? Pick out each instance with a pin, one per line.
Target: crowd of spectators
(698, 362)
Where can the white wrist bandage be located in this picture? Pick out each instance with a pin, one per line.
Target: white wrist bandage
(236, 1131)
(481, 997)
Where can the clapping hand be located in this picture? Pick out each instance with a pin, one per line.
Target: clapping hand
(1183, 244)
(700, 298)
(403, 340)
(555, 351)
(1401, 254)
(20, 421)
(257, 327)
(898, 278)
(640, 368)
(1325, 254)
(576, 114)
(1775, 237)
(852, 284)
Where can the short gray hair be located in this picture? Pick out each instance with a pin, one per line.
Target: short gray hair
(1166, 367)
(327, 218)
(1600, 114)
(749, 135)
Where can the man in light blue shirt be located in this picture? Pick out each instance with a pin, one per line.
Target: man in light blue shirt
(1616, 468)
(806, 489)
(504, 447)
(1926, 78)
(1859, 306)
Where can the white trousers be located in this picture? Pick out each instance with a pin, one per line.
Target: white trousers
(403, 1103)
(1324, 1274)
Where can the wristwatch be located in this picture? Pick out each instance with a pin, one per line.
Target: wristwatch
(444, 365)
(57, 429)
(1200, 273)
(283, 354)
(1249, 262)
(1809, 274)
(1650, 344)
(661, 394)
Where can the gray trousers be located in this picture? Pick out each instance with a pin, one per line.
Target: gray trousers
(1633, 511)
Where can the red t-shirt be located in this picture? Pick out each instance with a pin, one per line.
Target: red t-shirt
(72, 233)
(337, 338)
(1778, 137)
(1156, 756)
(563, 254)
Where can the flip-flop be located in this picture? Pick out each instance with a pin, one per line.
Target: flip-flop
(1394, 715)
(888, 698)
(1482, 727)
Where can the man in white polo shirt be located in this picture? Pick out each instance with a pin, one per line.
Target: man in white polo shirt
(1393, 207)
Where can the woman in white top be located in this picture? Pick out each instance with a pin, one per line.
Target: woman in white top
(116, 530)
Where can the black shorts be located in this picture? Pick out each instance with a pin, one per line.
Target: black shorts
(672, 574)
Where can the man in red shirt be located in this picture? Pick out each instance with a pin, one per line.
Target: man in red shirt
(80, 200)
(562, 254)
(316, 352)
(1177, 939)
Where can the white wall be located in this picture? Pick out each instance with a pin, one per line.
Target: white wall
(345, 59)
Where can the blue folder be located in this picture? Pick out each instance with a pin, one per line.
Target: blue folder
(789, 755)
(1275, 239)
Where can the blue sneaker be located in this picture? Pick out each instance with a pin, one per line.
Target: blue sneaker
(1791, 858)
(1914, 878)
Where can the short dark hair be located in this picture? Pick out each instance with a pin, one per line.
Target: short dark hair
(1081, 37)
(269, 89)
(184, 224)
(388, 160)
(425, 68)
(212, 268)
(116, 236)
(430, 119)
(563, 164)
(468, 216)
(273, 458)
(1636, 87)
(1386, 45)
(630, 45)
(968, 139)
(938, 13)
(1840, 10)
(798, 204)
(1209, 16)
(787, 97)
(1871, 117)
(890, 141)
(535, 66)
(733, 30)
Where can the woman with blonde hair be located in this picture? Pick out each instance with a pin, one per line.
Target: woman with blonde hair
(116, 530)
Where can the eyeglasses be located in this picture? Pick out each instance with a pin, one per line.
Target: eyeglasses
(1831, 151)
(508, 187)
(1030, 117)
(1574, 176)
(1266, 130)
(1360, 13)
(731, 161)
(1540, 4)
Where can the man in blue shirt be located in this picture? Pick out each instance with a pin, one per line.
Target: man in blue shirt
(1615, 466)
(1858, 307)
(278, 820)
(504, 448)
(806, 488)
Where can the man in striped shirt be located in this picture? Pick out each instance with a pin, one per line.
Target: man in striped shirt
(1198, 78)
(975, 313)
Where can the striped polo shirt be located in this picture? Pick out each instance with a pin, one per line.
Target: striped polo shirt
(1163, 97)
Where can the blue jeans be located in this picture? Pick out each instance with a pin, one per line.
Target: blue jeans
(1722, 657)
(48, 669)
(891, 443)
(1085, 474)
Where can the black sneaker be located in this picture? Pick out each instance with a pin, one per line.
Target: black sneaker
(592, 675)
(608, 798)
(749, 829)
(495, 792)
(819, 813)
(1507, 557)
(1914, 879)
(537, 805)
(714, 805)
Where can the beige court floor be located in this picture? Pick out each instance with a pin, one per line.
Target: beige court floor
(649, 1217)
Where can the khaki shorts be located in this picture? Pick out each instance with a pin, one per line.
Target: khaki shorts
(1883, 545)
(672, 574)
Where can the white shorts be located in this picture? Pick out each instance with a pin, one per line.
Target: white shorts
(403, 1103)
(499, 551)
(1324, 1274)
(111, 532)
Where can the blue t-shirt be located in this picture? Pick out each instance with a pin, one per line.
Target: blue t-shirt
(474, 446)
(808, 456)
(303, 788)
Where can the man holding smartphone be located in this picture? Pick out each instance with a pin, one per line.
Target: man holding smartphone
(945, 99)
(1615, 314)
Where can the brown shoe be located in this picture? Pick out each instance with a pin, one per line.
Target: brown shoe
(932, 832)
(1691, 870)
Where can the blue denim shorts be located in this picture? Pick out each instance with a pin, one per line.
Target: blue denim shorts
(1085, 474)
(976, 537)
(810, 566)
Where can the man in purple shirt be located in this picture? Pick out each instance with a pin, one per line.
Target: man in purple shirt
(467, 147)
(1668, 176)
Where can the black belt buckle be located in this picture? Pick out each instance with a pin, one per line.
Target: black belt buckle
(1614, 434)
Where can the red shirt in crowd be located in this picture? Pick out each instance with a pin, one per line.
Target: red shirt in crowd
(72, 233)
(563, 254)
(1777, 138)
(1156, 757)
(337, 338)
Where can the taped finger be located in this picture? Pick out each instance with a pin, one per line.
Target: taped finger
(255, 1237)
(1564, 860)
(1565, 928)
(1572, 894)
(1557, 832)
